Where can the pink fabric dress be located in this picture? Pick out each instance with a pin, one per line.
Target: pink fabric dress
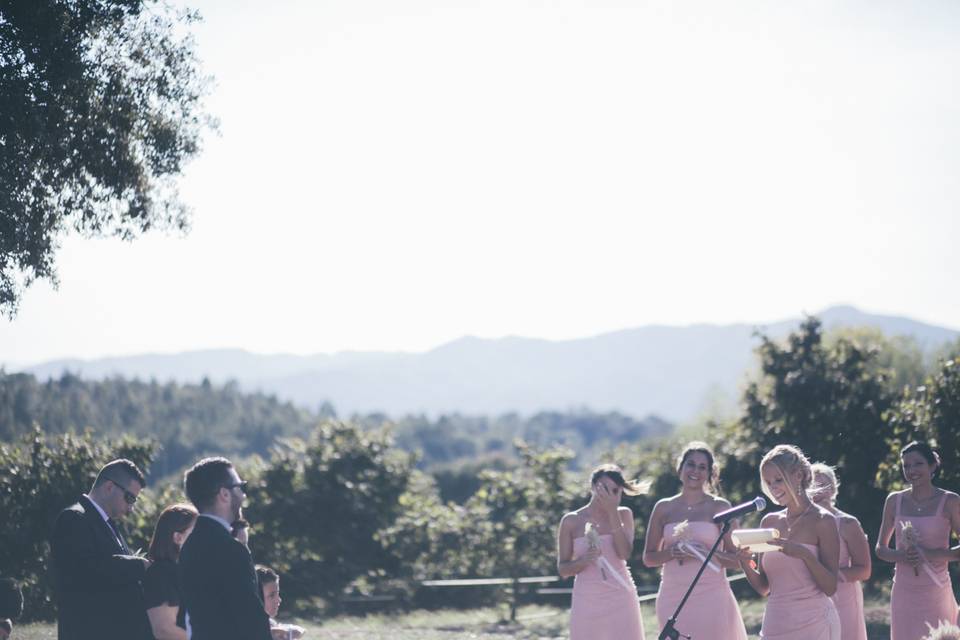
(849, 600)
(604, 604)
(918, 599)
(797, 609)
(711, 612)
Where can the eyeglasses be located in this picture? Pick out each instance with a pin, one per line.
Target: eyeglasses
(127, 496)
(242, 484)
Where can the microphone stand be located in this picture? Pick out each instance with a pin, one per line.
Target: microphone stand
(669, 632)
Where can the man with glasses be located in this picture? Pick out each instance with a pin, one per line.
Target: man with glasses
(99, 594)
(220, 588)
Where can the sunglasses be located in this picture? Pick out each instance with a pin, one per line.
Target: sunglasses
(242, 484)
(127, 496)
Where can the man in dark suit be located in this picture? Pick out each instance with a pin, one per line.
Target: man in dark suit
(218, 579)
(97, 578)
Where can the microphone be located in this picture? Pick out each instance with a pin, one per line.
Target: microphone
(757, 504)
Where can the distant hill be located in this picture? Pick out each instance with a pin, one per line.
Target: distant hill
(661, 370)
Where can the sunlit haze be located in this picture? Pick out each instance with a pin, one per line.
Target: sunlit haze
(391, 175)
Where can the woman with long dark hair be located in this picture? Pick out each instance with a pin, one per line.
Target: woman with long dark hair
(161, 586)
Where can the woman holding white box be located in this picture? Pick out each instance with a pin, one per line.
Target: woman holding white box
(801, 576)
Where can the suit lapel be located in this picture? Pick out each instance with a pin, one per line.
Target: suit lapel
(100, 525)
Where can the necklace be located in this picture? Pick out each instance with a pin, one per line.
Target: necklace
(695, 504)
(796, 519)
(920, 505)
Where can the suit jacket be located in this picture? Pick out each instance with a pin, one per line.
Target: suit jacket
(98, 586)
(219, 585)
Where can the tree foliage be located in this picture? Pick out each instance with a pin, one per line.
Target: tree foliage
(930, 413)
(188, 421)
(506, 529)
(100, 107)
(318, 505)
(452, 440)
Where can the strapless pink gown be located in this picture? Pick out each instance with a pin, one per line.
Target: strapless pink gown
(604, 607)
(916, 599)
(849, 600)
(711, 612)
(797, 609)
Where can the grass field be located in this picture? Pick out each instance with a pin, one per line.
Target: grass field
(535, 623)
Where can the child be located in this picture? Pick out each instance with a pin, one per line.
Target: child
(270, 592)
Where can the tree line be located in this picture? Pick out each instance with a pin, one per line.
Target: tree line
(345, 510)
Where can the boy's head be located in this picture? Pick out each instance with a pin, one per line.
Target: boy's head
(269, 583)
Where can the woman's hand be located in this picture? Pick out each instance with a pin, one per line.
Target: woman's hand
(791, 549)
(590, 556)
(913, 556)
(608, 502)
(677, 552)
(744, 556)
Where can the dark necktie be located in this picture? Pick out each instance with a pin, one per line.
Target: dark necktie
(116, 532)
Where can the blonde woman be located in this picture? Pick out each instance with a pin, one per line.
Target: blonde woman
(855, 563)
(678, 525)
(799, 578)
(922, 593)
(593, 544)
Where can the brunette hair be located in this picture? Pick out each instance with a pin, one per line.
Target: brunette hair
(176, 518)
(788, 459)
(265, 576)
(615, 473)
(929, 454)
(713, 473)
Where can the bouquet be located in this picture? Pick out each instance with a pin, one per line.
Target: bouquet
(943, 631)
(910, 537)
(681, 531)
(593, 541)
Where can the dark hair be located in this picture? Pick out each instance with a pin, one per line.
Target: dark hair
(175, 518)
(615, 473)
(697, 446)
(929, 454)
(6, 625)
(203, 480)
(11, 599)
(120, 470)
(265, 576)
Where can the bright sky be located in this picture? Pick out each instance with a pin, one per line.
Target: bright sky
(394, 174)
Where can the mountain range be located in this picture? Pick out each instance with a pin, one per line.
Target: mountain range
(662, 370)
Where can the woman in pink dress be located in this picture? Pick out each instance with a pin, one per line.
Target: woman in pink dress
(680, 527)
(855, 563)
(923, 518)
(593, 544)
(799, 578)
